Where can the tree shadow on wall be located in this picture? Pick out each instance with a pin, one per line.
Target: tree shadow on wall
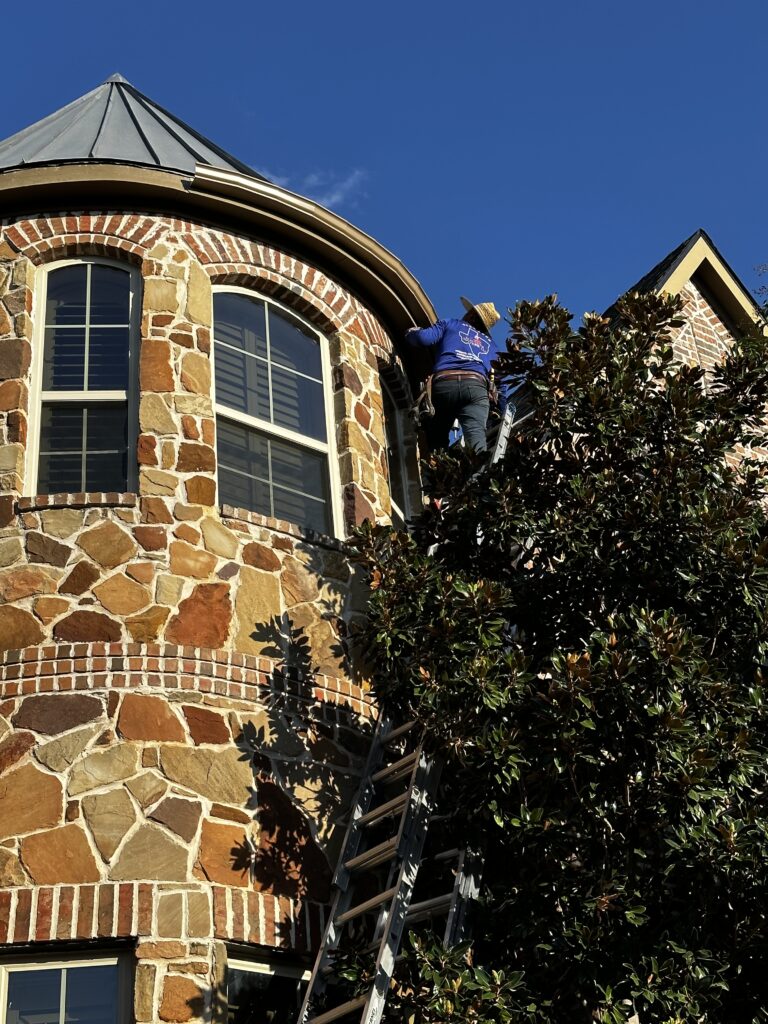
(339, 604)
(306, 754)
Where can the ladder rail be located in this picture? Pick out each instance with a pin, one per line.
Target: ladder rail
(352, 839)
(392, 907)
(412, 765)
(396, 920)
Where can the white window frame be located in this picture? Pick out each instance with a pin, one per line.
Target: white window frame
(129, 396)
(401, 465)
(327, 447)
(123, 996)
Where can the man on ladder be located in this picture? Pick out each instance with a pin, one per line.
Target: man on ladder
(461, 377)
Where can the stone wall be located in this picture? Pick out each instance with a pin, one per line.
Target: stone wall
(180, 797)
(179, 261)
(168, 564)
(121, 568)
(177, 691)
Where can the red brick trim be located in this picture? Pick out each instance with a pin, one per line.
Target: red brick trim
(228, 259)
(129, 909)
(97, 666)
(44, 240)
(244, 515)
(79, 500)
(285, 289)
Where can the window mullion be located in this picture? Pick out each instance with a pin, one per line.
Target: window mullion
(63, 997)
(83, 453)
(269, 363)
(269, 474)
(87, 324)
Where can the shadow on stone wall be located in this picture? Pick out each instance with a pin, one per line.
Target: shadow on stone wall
(306, 757)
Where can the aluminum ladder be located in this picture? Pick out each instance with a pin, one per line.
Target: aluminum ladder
(400, 787)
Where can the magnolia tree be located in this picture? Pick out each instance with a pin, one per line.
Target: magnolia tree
(581, 629)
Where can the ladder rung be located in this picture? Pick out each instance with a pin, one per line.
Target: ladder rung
(437, 905)
(395, 770)
(396, 804)
(371, 858)
(363, 908)
(339, 1011)
(446, 855)
(395, 734)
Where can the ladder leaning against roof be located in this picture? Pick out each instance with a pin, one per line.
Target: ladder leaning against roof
(376, 876)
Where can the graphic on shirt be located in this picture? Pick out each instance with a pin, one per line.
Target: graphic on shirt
(477, 346)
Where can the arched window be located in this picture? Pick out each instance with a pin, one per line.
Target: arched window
(86, 428)
(273, 422)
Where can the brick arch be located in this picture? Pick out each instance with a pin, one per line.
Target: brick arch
(51, 250)
(123, 236)
(285, 290)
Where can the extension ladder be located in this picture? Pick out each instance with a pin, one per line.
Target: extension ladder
(399, 788)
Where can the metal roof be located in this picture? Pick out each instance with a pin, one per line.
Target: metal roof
(115, 123)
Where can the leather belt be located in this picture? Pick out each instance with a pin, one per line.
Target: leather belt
(460, 375)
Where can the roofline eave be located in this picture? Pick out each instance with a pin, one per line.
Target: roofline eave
(233, 198)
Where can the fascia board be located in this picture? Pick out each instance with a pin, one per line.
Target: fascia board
(739, 300)
(313, 231)
(360, 249)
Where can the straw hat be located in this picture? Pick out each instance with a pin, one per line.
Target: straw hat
(485, 310)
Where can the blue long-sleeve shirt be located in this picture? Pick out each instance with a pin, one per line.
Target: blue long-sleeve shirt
(458, 346)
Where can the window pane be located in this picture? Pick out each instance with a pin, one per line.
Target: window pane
(240, 321)
(241, 382)
(34, 996)
(61, 427)
(262, 998)
(110, 295)
(108, 359)
(59, 474)
(244, 492)
(62, 450)
(293, 345)
(299, 469)
(242, 449)
(106, 465)
(106, 472)
(300, 480)
(92, 995)
(298, 404)
(65, 299)
(64, 359)
(243, 459)
(304, 511)
(272, 477)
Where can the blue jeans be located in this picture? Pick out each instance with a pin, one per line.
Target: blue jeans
(462, 399)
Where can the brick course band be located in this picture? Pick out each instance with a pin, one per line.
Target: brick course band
(133, 910)
(96, 666)
(95, 499)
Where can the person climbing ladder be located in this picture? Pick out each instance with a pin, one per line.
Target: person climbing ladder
(464, 352)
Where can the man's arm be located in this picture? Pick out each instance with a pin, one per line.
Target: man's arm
(426, 335)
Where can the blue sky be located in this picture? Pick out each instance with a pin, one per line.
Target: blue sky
(502, 150)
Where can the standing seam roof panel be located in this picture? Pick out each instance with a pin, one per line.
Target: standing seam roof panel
(115, 123)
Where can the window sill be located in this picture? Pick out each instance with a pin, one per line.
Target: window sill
(243, 515)
(103, 499)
